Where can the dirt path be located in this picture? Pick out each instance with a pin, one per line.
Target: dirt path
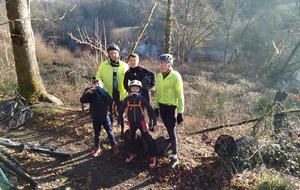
(71, 131)
(74, 135)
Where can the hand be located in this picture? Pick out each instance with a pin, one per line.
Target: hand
(179, 118)
(156, 112)
(152, 88)
(91, 90)
(119, 127)
(153, 129)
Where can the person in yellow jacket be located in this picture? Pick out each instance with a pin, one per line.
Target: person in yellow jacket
(111, 72)
(169, 99)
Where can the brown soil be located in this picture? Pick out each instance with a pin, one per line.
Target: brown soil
(71, 131)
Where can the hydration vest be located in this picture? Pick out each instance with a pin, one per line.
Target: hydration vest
(131, 106)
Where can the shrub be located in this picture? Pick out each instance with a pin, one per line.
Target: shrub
(272, 181)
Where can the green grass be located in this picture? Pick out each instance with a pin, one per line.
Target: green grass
(7, 85)
(47, 110)
(263, 103)
(272, 182)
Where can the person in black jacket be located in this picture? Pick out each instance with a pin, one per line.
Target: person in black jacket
(100, 103)
(134, 106)
(142, 74)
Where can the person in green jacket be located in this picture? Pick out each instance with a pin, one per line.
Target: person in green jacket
(111, 72)
(169, 99)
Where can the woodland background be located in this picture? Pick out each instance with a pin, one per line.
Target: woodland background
(234, 55)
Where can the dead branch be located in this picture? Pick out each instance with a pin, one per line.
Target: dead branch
(143, 29)
(222, 126)
(93, 43)
(83, 42)
(239, 123)
(281, 44)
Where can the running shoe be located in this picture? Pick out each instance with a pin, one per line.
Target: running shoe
(96, 152)
(173, 163)
(115, 149)
(152, 162)
(130, 158)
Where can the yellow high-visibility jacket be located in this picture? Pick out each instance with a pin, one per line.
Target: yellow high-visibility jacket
(105, 74)
(169, 90)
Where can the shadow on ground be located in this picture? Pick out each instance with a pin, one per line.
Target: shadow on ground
(71, 132)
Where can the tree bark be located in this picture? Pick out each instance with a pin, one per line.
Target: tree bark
(169, 27)
(30, 83)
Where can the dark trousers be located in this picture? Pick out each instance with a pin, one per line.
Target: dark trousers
(105, 122)
(118, 103)
(146, 94)
(167, 114)
(133, 126)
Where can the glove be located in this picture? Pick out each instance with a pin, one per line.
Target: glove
(179, 118)
(152, 88)
(154, 128)
(151, 129)
(156, 112)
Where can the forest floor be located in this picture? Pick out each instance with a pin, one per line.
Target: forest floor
(68, 128)
(71, 131)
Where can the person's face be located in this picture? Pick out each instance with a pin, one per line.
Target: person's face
(133, 62)
(135, 89)
(113, 55)
(163, 66)
(95, 85)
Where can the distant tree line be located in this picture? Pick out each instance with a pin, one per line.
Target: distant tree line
(79, 13)
(260, 33)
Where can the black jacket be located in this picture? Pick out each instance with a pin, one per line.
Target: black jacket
(99, 108)
(135, 113)
(137, 73)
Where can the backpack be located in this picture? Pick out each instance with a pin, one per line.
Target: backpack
(147, 79)
(84, 110)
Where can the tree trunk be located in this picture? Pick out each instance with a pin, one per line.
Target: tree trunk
(286, 64)
(232, 16)
(169, 27)
(30, 83)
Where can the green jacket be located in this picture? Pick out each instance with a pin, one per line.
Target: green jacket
(170, 90)
(105, 74)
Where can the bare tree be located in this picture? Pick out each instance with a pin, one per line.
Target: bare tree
(297, 3)
(232, 17)
(30, 82)
(195, 21)
(95, 43)
(143, 29)
(288, 66)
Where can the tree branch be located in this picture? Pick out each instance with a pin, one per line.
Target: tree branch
(143, 29)
(239, 123)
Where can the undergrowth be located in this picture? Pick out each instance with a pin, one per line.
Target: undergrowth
(212, 98)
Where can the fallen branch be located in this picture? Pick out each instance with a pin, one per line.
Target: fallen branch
(239, 123)
(143, 29)
(222, 126)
